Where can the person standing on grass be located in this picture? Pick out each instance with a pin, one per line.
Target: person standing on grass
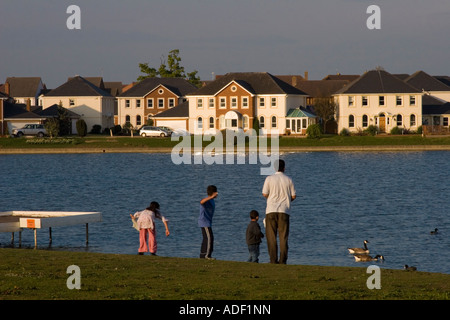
(207, 208)
(279, 191)
(147, 231)
(253, 237)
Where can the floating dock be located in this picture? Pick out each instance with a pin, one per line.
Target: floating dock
(16, 221)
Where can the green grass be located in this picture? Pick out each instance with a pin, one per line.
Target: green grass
(92, 142)
(28, 274)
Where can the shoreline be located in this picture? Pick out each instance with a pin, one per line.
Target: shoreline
(373, 148)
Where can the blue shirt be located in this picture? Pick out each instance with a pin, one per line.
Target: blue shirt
(206, 213)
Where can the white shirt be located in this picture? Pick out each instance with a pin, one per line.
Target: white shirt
(280, 189)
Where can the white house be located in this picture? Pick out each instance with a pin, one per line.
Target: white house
(381, 99)
(235, 100)
(94, 105)
(24, 89)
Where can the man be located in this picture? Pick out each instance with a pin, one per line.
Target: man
(279, 191)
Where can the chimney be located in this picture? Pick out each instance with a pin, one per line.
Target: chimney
(7, 89)
(306, 75)
(294, 81)
(28, 104)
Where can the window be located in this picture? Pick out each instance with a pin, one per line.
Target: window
(445, 121)
(398, 100)
(304, 124)
(262, 102)
(211, 122)
(381, 100)
(273, 102)
(412, 120)
(138, 103)
(274, 122)
(211, 103)
(351, 121)
(399, 120)
(127, 119)
(412, 100)
(200, 123)
(364, 100)
(138, 120)
(261, 122)
(233, 102)
(171, 102)
(288, 123)
(223, 102)
(150, 103)
(365, 122)
(160, 103)
(244, 102)
(71, 102)
(127, 103)
(350, 101)
(199, 103)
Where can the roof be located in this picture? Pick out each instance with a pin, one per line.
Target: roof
(77, 87)
(179, 86)
(18, 111)
(299, 113)
(423, 81)
(321, 88)
(52, 111)
(378, 81)
(433, 105)
(254, 82)
(23, 86)
(347, 77)
(179, 111)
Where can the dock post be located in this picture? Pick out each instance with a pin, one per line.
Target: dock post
(20, 238)
(50, 234)
(35, 238)
(12, 238)
(87, 233)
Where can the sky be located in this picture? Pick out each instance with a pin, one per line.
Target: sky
(218, 36)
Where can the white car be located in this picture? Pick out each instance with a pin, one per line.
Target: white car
(30, 130)
(149, 131)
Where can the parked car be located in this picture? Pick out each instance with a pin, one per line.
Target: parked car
(169, 130)
(149, 131)
(30, 130)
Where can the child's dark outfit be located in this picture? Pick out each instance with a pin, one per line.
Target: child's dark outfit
(253, 237)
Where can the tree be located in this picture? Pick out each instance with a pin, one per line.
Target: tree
(173, 69)
(325, 108)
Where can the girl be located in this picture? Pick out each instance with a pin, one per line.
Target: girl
(146, 224)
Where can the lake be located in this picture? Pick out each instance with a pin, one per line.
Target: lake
(391, 199)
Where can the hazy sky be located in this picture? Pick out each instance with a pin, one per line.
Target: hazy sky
(278, 36)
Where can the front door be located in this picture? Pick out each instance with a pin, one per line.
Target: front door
(382, 123)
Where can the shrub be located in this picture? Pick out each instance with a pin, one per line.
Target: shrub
(81, 127)
(314, 131)
(96, 129)
(372, 130)
(396, 130)
(344, 132)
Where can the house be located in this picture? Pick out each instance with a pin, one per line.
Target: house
(381, 99)
(236, 100)
(22, 89)
(176, 118)
(94, 105)
(149, 97)
(429, 85)
(13, 115)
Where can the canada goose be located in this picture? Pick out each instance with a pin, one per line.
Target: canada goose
(365, 257)
(435, 231)
(408, 268)
(360, 250)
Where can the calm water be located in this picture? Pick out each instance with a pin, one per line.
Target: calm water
(391, 199)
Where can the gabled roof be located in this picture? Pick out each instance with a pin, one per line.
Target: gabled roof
(254, 82)
(22, 87)
(179, 111)
(52, 111)
(179, 86)
(377, 81)
(18, 111)
(423, 81)
(77, 87)
(321, 88)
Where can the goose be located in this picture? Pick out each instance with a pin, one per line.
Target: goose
(435, 231)
(408, 268)
(365, 257)
(360, 250)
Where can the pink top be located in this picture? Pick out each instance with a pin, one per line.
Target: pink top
(146, 218)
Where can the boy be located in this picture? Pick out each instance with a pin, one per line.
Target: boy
(253, 237)
(207, 207)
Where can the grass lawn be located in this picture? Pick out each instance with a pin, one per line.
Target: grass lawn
(28, 274)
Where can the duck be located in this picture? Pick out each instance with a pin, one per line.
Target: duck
(360, 250)
(365, 257)
(435, 231)
(408, 268)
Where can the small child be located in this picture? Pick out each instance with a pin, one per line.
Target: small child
(253, 237)
(207, 208)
